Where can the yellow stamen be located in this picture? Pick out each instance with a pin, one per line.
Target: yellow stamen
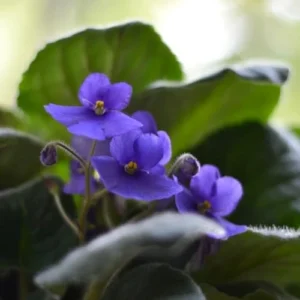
(99, 107)
(131, 167)
(204, 207)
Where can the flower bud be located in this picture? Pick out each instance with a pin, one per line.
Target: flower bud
(185, 167)
(48, 155)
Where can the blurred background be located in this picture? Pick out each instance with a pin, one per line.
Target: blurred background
(204, 34)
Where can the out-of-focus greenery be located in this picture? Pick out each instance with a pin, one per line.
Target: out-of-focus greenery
(257, 30)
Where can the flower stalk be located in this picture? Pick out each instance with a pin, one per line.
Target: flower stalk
(64, 215)
(68, 150)
(87, 199)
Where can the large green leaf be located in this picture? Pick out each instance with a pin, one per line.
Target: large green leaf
(131, 52)
(34, 234)
(166, 234)
(190, 112)
(154, 282)
(261, 254)
(267, 162)
(40, 295)
(248, 289)
(212, 293)
(10, 118)
(19, 157)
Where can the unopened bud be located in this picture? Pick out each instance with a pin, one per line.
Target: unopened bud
(185, 167)
(48, 155)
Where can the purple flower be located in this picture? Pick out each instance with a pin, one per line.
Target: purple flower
(99, 117)
(82, 145)
(212, 195)
(185, 167)
(133, 170)
(149, 126)
(48, 156)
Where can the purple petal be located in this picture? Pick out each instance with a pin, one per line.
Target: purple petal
(92, 89)
(203, 182)
(117, 123)
(141, 186)
(158, 170)
(91, 129)
(83, 146)
(68, 115)
(148, 151)
(185, 202)
(231, 229)
(121, 147)
(109, 170)
(167, 146)
(117, 96)
(149, 124)
(228, 192)
(102, 148)
(76, 185)
(75, 168)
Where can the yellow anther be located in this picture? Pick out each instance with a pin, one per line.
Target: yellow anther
(204, 207)
(99, 107)
(131, 167)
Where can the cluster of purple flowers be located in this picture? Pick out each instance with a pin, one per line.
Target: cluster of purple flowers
(131, 154)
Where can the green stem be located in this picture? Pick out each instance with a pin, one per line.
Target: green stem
(23, 288)
(64, 215)
(69, 151)
(87, 200)
(98, 195)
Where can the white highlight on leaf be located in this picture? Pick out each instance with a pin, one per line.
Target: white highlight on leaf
(165, 233)
(283, 232)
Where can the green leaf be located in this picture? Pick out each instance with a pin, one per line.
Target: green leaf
(261, 254)
(212, 293)
(262, 295)
(294, 289)
(35, 234)
(19, 157)
(267, 162)
(165, 234)
(40, 295)
(11, 118)
(154, 282)
(190, 112)
(247, 289)
(131, 52)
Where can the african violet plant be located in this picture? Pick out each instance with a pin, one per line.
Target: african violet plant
(163, 190)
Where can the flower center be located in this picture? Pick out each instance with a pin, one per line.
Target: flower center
(204, 207)
(131, 167)
(99, 107)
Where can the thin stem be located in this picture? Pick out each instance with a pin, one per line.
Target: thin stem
(70, 151)
(23, 288)
(98, 194)
(106, 213)
(65, 216)
(87, 200)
